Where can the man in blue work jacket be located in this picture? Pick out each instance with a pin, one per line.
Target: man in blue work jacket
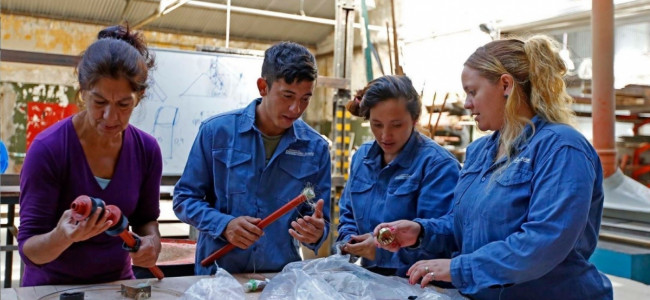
(247, 163)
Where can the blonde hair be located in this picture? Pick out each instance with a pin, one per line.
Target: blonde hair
(538, 73)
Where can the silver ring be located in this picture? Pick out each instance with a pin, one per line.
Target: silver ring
(433, 275)
(426, 269)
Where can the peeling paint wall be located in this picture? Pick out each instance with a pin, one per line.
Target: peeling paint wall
(19, 82)
(27, 33)
(63, 37)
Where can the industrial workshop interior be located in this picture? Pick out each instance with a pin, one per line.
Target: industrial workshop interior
(325, 149)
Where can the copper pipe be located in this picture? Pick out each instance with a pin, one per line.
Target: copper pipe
(624, 239)
(602, 99)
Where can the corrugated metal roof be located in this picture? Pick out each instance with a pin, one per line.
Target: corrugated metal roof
(191, 19)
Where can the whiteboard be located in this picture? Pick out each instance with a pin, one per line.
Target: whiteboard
(186, 88)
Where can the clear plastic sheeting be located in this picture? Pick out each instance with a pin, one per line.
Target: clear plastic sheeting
(335, 278)
(624, 193)
(221, 286)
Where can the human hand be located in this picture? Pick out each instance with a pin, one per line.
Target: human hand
(406, 234)
(243, 231)
(147, 254)
(361, 245)
(309, 229)
(430, 270)
(77, 231)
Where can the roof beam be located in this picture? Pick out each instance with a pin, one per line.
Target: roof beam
(164, 8)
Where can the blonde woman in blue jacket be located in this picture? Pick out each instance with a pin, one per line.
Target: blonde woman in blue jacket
(529, 200)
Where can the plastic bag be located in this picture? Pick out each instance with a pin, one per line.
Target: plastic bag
(222, 286)
(625, 193)
(335, 278)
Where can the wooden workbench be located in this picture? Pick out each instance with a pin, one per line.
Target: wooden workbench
(168, 288)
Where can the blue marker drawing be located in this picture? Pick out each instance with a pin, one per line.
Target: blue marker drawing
(155, 91)
(220, 80)
(163, 129)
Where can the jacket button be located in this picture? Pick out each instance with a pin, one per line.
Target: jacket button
(482, 179)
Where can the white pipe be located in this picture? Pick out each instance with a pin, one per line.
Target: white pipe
(273, 14)
(228, 24)
(173, 7)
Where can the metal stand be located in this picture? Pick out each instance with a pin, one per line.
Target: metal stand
(343, 46)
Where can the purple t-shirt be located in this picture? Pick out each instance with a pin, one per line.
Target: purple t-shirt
(55, 172)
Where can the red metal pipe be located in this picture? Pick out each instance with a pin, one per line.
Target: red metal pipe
(115, 215)
(307, 194)
(83, 206)
(602, 98)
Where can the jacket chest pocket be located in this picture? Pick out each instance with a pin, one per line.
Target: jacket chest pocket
(508, 197)
(465, 178)
(295, 173)
(361, 197)
(299, 168)
(402, 199)
(232, 174)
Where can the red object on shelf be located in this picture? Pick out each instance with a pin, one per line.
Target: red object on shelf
(307, 194)
(42, 115)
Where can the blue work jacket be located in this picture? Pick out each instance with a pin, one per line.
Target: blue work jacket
(226, 177)
(526, 231)
(418, 183)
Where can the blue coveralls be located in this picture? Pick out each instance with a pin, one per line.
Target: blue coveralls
(418, 183)
(226, 177)
(526, 232)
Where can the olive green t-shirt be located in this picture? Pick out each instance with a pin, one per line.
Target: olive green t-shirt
(270, 143)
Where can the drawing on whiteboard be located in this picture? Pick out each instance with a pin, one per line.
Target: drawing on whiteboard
(163, 129)
(220, 81)
(155, 92)
(186, 89)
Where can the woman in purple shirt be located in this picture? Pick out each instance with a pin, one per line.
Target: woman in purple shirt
(96, 153)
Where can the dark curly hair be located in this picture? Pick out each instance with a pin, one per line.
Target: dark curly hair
(385, 88)
(289, 61)
(117, 53)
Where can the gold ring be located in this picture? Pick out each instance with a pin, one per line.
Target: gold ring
(433, 275)
(426, 269)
